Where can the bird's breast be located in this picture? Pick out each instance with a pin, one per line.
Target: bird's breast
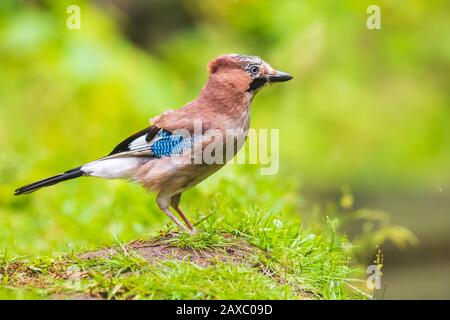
(222, 136)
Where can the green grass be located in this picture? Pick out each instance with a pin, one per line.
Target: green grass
(253, 243)
(282, 261)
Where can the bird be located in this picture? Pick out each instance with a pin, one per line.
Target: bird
(166, 157)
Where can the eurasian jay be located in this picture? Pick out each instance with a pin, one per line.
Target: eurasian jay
(161, 157)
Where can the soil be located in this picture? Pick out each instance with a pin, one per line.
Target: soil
(239, 251)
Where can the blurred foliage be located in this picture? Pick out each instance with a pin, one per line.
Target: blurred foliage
(367, 108)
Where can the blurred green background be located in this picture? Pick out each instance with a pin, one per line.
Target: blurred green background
(365, 123)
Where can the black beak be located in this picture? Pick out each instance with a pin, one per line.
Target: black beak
(279, 76)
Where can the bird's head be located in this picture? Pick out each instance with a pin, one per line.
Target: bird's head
(244, 73)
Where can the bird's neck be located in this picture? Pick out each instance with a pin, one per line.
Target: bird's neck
(225, 95)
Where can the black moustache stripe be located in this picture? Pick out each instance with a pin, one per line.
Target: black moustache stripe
(257, 83)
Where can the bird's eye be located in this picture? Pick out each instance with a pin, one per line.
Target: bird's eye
(254, 70)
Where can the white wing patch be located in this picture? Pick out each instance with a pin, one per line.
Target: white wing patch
(139, 146)
(139, 143)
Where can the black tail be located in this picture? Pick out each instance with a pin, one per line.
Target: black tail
(29, 188)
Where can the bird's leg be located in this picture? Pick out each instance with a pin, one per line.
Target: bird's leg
(188, 223)
(175, 204)
(174, 219)
(163, 204)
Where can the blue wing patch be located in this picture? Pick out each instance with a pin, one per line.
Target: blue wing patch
(168, 144)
